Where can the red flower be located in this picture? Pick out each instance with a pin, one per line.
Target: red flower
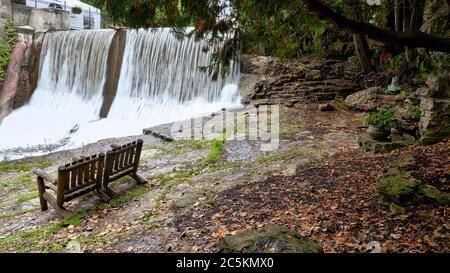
(385, 57)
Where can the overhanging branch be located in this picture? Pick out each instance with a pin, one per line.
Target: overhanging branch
(411, 39)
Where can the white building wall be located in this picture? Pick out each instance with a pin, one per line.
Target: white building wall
(90, 13)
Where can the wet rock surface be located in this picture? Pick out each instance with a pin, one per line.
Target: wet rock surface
(315, 178)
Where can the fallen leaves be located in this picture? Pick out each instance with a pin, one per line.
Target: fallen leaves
(221, 232)
(336, 205)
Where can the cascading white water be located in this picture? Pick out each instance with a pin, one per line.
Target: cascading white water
(160, 82)
(157, 64)
(74, 62)
(69, 89)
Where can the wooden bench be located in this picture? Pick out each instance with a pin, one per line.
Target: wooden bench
(122, 161)
(74, 180)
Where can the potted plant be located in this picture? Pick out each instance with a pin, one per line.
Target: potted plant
(77, 10)
(380, 123)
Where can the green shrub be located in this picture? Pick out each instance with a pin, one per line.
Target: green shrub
(77, 10)
(426, 64)
(415, 112)
(394, 64)
(6, 47)
(406, 94)
(382, 117)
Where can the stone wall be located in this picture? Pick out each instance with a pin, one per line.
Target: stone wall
(43, 20)
(24, 87)
(434, 124)
(21, 14)
(5, 13)
(266, 80)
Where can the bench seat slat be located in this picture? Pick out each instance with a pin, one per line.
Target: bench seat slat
(86, 184)
(80, 192)
(122, 159)
(73, 178)
(87, 172)
(78, 164)
(93, 170)
(80, 180)
(119, 174)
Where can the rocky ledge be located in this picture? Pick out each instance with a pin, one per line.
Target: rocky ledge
(267, 80)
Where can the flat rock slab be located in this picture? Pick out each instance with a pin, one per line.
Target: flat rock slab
(370, 145)
(177, 131)
(161, 131)
(187, 129)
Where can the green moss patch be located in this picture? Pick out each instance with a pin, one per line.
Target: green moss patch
(12, 166)
(217, 148)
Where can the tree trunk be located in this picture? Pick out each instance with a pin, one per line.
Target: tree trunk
(448, 13)
(412, 23)
(407, 26)
(391, 16)
(397, 14)
(406, 15)
(361, 47)
(362, 51)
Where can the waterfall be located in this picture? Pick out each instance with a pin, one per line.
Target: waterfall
(157, 64)
(160, 82)
(75, 62)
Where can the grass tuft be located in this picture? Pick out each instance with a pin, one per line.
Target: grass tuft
(217, 148)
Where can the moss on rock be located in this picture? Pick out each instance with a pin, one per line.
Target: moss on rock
(270, 239)
(399, 188)
(434, 195)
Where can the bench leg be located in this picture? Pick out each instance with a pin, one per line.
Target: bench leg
(61, 210)
(64, 212)
(139, 179)
(110, 193)
(102, 195)
(41, 189)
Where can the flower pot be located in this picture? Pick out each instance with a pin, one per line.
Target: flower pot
(378, 133)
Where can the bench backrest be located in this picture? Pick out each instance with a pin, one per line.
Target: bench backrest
(79, 177)
(122, 161)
